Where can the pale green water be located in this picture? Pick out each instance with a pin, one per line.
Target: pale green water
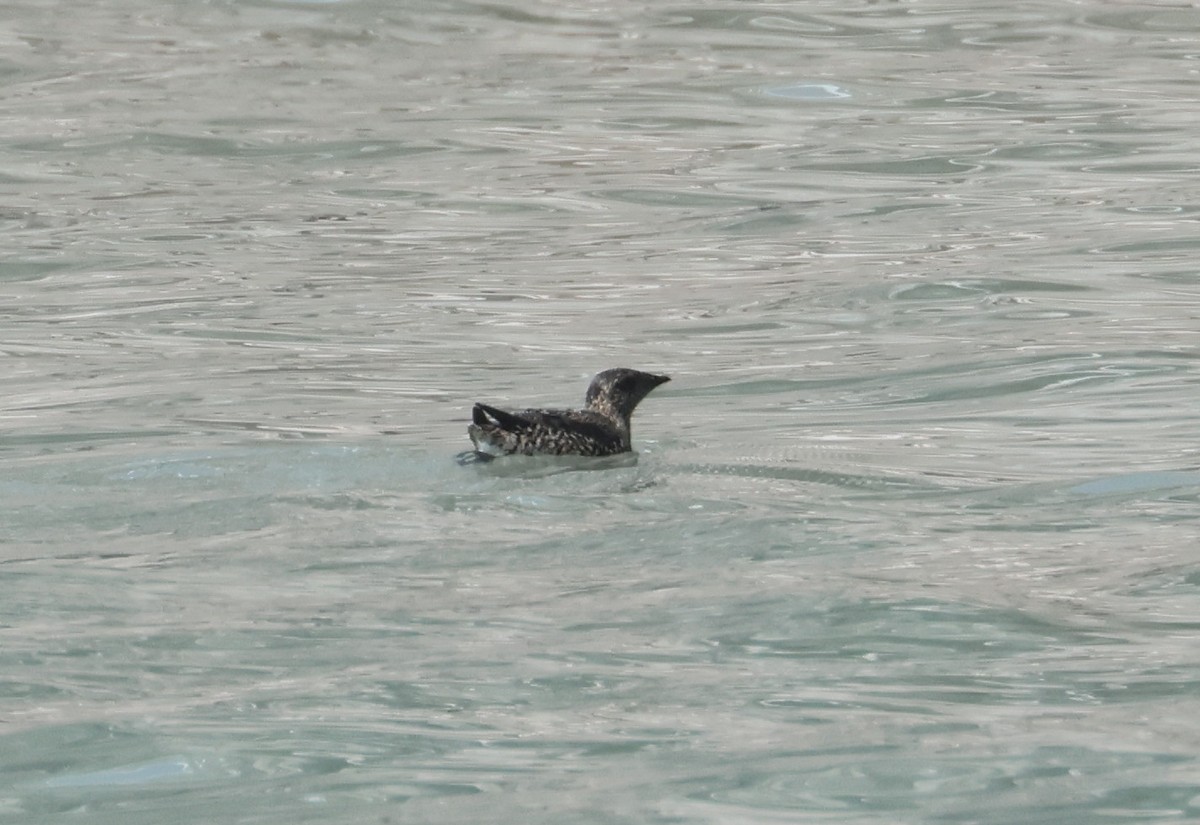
(913, 537)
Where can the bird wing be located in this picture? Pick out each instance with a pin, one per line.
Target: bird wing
(571, 424)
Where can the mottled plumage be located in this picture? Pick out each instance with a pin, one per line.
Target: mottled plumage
(600, 428)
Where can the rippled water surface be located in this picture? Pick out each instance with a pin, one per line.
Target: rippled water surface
(913, 534)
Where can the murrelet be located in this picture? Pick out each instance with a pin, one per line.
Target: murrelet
(600, 428)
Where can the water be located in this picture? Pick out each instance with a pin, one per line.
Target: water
(911, 537)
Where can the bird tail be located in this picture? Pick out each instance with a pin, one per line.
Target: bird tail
(485, 416)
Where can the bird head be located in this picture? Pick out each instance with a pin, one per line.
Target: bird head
(619, 391)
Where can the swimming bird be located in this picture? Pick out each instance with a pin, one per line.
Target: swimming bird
(600, 428)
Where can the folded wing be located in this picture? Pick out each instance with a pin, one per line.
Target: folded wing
(546, 431)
